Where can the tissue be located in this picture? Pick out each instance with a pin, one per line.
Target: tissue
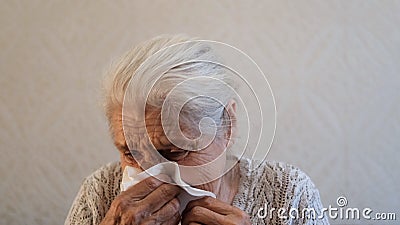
(132, 176)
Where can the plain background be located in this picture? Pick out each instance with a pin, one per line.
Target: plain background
(333, 66)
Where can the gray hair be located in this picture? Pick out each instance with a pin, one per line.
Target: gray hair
(187, 59)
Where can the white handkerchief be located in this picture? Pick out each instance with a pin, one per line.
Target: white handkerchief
(132, 176)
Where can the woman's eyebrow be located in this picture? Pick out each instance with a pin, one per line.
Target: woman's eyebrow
(159, 145)
(162, 146)
(123, 146)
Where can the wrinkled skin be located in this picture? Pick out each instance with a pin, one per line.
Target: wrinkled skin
(153, 202)
(149, 202)
(209, 210)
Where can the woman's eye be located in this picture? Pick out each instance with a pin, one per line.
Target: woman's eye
(128, 153)
(131, 154)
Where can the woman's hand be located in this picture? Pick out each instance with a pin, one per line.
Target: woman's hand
(149, 202)
(213, 211)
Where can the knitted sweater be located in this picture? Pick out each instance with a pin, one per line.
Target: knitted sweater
(275, 193)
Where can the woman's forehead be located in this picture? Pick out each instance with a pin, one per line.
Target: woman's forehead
(154, 128)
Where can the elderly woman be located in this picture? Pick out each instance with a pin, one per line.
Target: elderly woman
(268, 195)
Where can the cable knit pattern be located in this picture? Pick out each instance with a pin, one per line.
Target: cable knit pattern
(273, 185)
(276, 185)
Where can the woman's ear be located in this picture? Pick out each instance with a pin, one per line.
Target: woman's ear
(232, 121)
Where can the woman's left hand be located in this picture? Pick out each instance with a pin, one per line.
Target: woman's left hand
(213, 211)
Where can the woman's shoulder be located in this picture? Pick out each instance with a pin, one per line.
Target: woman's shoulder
(103, 184)
(276, 185)
(272, 185)
(273, 172)
(97, 192)
(107, 177)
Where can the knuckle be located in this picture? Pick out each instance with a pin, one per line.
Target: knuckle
(125, 219)
(208, 201)
(151, 183)
(175, 204)
(197, 210)
(176, 189)
(141, 211)
(138, 214)
(119, 204)
(166, 190)
(163, 190)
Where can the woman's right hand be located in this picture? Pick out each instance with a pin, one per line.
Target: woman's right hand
(151, 201)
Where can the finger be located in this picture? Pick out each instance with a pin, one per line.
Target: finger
(174, 220)
(201, 215)
(166, 213)
(213, 204)
(169, 213)
(159, 197)
(143, 188)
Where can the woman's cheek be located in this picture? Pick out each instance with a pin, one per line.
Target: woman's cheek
(199, 172)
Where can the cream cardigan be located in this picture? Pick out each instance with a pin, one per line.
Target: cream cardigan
(268, 194)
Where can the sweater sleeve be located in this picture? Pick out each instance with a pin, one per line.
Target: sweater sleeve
(95, 195)
(80, 212)
(310, 209)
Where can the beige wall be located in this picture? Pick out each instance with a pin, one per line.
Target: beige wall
(334, 68)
